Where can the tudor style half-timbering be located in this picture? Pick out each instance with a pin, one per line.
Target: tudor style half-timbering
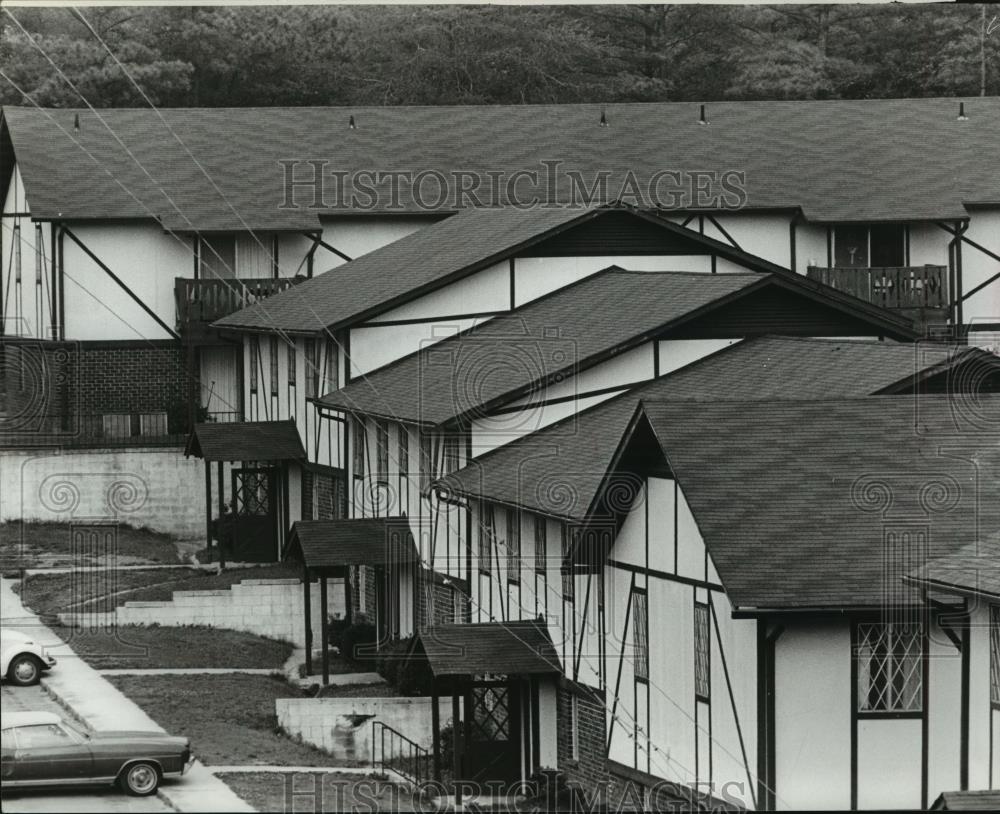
(391, 430)
(542, 485)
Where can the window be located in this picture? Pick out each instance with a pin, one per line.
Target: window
(995, 655)
(541, 531)
(404, 452)
(43, 736)
(426, 461)
(702, 653)
(217, 257)
(889, 662)
(867, 246)
(458, 600)
(640, 635)
(486, 539)
(382, 450)
(568, 581)
(331, 372)
(312, 369)
(291, 363)
(254, 362)
(574, 726)
(450, 454)
(273, 364)
(360, 444)
(513, 546)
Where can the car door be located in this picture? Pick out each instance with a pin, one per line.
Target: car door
(50, 752)
(7, 748)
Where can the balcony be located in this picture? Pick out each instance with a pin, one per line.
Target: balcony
(903, 287)
(201, 302)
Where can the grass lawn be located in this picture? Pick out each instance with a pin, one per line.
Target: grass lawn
(131, 647)
(318, 792)
(49, 594)
(39, 545)
(230, 719)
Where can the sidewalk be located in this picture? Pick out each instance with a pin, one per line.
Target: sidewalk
(82, 690)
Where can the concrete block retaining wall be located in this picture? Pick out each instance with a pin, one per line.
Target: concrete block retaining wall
(153, 487)
(343, 726)
(265, 607)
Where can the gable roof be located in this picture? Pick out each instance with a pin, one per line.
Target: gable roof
(798, 502)
(438, 254)
(246, 441)
(558, 470)
(912, 158)
(356, 541)
(972, 570)
(555, 336)
(514, 648)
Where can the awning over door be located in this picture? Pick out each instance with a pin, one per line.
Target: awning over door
(511, 648)
(246, 441)
(328, 544)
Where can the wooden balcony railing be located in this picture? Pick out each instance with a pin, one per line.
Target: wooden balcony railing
(889, 287)
(200, 302)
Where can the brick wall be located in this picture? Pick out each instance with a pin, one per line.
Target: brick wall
(588, 770)
(67, 388)
(436, 601)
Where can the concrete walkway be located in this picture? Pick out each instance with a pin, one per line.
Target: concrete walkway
(363, 771)
(82, 690)
(186, 671)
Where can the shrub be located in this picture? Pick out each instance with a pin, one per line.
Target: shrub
(358, 637)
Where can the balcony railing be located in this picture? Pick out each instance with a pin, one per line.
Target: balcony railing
(200, 302)
(889, 287)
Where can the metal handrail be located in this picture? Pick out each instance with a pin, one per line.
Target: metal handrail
(404, 757)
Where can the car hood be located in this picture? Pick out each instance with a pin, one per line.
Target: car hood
(133, 736)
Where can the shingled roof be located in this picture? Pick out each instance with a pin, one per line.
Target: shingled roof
(514, 648)
(450, 249)
(355, 541)
(797, 501)
(558, 469)
(547, 339)
(972, 570)
(246, 441)
(912, 157)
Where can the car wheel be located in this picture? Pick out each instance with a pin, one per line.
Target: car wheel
(24, 670)
(141, 779)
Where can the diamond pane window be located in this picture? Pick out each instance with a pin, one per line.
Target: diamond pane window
(404, 452)
(291, 363)
(995, 655)
(360, 444)
(640, 635)
(568, 580)
(702, 654)
(890, 676)
(331, 378)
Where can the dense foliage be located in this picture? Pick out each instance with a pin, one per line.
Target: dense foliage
(323, 55)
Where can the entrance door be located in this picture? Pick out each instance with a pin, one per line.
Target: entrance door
(493, 745)
(255, 515)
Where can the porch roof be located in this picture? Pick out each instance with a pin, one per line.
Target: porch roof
(973, 569)
(512, 648)
(339, 543)
(983, 800)
(246, 441)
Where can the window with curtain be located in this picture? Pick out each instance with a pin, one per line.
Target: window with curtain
(382, 450)
(995, 656)
(486, 537)
(640, 635)
(513, 546)
(541, 543)
(702, 653)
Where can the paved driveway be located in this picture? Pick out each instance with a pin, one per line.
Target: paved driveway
(23, 699)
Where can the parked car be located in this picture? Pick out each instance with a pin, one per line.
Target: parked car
(22, 660)
(42, 749)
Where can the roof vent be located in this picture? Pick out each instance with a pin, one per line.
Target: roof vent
(961, 112)
(76, 121)
(701, 118)
(604, 118)
(350, 123)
